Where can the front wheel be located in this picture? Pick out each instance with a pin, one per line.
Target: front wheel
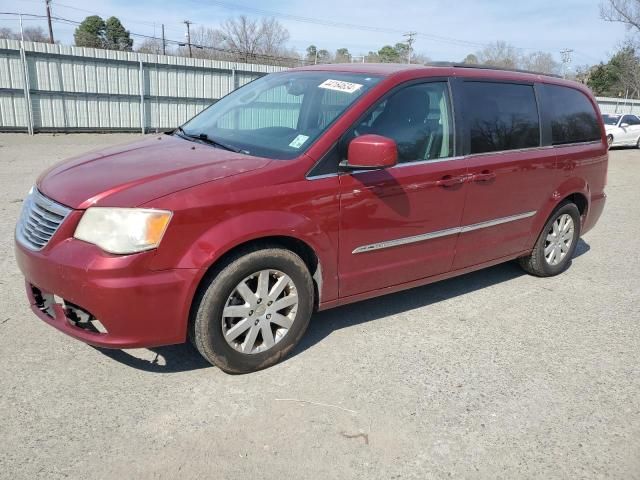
(556, 244)
(609, 140)
(253, 311)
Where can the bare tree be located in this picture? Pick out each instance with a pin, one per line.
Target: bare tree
(253, 40)
(471, 59)
(540, 62)
(31, 34)
(623, 11)
(151, 45)
(274, 37)
(212, 42)
(499, 54)
(242, 35)
(6, 33)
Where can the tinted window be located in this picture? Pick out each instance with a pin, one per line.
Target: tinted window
(611, 119)
(573, 118)
(501, 116)
(631, 120)
(418, 118)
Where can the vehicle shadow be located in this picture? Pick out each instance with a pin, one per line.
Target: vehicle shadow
(324, 323)
(169, 359)
(184, 358)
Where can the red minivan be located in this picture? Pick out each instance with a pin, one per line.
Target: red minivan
(309, 189)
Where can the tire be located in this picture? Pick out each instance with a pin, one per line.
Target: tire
(538, 262)
(638, 143)
(609, 140)
(260, 338)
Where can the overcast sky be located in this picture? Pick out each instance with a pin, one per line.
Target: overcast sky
(449, 30)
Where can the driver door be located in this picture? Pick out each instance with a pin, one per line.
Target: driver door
(631, 130)
(401, 224)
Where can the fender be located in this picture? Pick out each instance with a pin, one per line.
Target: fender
(234, 231)
(569, 187)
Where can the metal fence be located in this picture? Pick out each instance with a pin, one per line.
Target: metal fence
(618, 105)
(47, 87)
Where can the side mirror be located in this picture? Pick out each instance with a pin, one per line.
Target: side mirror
(624, 125)
(371, 152)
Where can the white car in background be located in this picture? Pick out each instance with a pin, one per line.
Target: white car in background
(622, 130)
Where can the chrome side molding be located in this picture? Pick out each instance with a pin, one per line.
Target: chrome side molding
(442, 233)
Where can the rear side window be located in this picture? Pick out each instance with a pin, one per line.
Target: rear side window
(501, 116)
(573, 118)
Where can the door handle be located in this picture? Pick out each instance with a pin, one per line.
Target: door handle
(485, 176)
(450, 181)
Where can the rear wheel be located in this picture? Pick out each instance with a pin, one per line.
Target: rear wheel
(609, 140)
(254, 311)
(556, 244)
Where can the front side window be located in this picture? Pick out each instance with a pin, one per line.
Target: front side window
(631, 120)
(280, 115)
(573, 118)
(501, 116)
(418, 118)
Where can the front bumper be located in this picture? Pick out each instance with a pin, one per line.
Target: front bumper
(136, 306)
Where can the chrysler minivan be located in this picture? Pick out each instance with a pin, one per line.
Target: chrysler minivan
(309, 189)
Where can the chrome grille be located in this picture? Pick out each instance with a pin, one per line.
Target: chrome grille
(39, 220)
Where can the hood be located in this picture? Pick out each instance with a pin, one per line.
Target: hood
(134, 174)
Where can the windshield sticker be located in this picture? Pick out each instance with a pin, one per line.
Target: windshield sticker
(298, 141)
(340, 86)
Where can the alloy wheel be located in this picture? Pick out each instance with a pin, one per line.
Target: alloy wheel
(260, 311)
(559, 239)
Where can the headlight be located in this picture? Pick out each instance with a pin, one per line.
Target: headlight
(123, 230)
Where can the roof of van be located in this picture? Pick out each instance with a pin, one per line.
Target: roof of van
(440, 69)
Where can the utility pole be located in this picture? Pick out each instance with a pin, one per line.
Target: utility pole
(410, 41)
(21, 33)
(188, 24)
(164, 42)
(566, 60)
(48, 3)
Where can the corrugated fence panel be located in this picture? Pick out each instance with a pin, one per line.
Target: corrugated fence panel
(619, 105)
(13, 112)
(75, 88)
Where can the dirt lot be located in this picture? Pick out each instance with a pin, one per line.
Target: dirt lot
(492, 375)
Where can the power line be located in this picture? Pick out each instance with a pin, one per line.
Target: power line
(48, 3)
(336, 24)
(188, 24)
(410, 41)
(236, 53)
(565, 55)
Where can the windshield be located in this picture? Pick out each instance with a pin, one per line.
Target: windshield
(280, 115)
(611, 119)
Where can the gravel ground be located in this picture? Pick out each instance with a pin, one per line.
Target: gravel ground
(495, 374)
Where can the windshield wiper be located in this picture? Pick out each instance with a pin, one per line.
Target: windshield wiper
(203, 137)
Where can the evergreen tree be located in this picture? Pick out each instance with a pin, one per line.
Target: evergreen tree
(116, 36)
(90, 33)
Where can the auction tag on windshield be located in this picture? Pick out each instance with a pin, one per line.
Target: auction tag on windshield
(340, 86)
(298, 141)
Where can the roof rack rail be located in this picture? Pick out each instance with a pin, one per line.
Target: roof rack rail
(486, 67)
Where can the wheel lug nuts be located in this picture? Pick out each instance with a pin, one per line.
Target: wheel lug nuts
(250, 312)
(259, 300)
(269, 304)
(268, 316)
